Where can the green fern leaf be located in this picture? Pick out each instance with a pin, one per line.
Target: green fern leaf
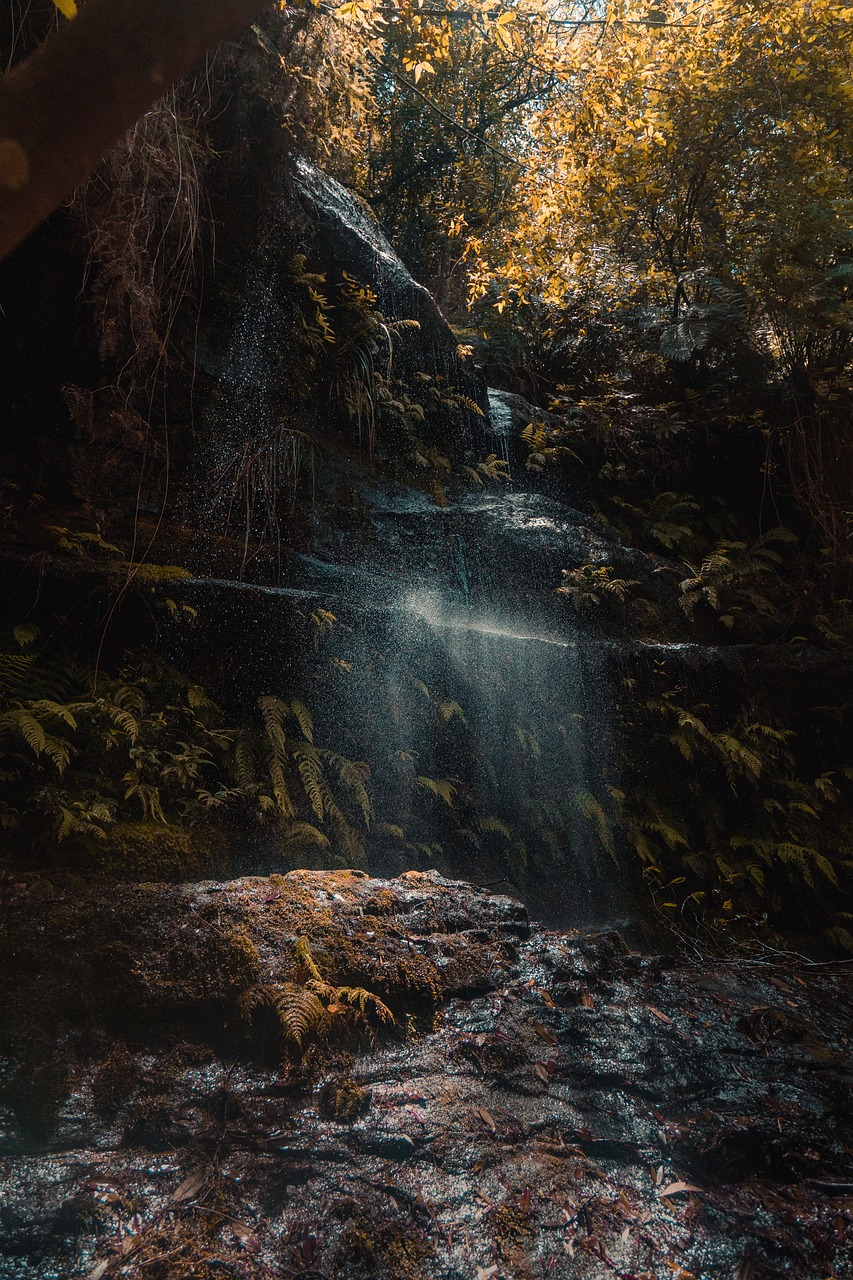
(303, 718)
(443, 788)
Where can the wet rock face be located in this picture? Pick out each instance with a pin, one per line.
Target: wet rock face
(546, 1103)
(351, 239)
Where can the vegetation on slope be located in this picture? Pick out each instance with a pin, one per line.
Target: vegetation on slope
(637, 216)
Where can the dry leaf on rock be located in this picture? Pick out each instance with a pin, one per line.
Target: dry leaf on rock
(486, 1117)
(190, 1187)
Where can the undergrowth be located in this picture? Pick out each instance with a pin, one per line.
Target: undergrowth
(105, 774)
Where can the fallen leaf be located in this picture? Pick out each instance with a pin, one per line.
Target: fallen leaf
(676, 1188)
(545, 1033)
(486, 1273)
(587, 1000)
(98, 1271)
(190, 1187)
(661, 1017)
(486, 1118)
(542, 1072)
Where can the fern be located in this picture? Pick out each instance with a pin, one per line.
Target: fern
(444, 788)
(304, 1008)
(591, 809)
(311, 773)
(303, 833)
(729, 579)
(494, 468)
(15, 675)
(589, 585)
(493, 825)
(25, 634)
(123, 719)
(303, 718)
(667, 519)
(365, 1001)
(299, 1012)
(451, 710)
(245, 763)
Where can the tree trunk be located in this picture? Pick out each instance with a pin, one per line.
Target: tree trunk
(64, 107)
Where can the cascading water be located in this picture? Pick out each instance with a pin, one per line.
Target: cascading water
(441, 659)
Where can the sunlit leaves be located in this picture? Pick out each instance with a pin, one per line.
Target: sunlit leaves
(678, 136)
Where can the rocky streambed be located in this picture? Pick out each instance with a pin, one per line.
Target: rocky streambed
(190, 1091)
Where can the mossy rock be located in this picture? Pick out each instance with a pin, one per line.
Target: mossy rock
(392, 1250)
(343, 1100)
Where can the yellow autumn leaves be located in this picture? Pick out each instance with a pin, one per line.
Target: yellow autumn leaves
(709, 136)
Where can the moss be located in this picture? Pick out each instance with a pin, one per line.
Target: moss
(152, 574)
(395, 1250)
(116, 1079)
(131, 960)
(510, 1222)
(343, 1100)
(156, 851)
(382, 903)
(203, 971)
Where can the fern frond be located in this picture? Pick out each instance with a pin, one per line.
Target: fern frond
(58, 751)
(25, 634)
(591, 809)
(299, 1012)
(245, 763)
(450, 710)
(280, 788)
(311, 773)
(354, 775)
(489, 823)
(303, 718)
(303, 833)
(304, 956)
(56, 710)
(444, 788)
(364, 1000)
(274, 712)
(15, 675)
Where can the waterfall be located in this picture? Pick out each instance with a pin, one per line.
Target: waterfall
(424, 636)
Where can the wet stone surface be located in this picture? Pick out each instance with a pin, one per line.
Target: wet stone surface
(546, 1104)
